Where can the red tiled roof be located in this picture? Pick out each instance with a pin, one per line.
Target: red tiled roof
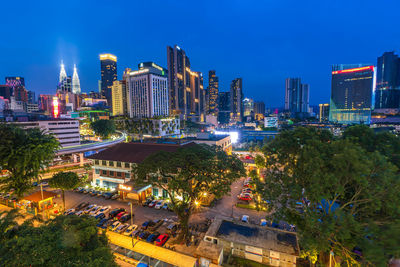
(37, 196)
(135, 152)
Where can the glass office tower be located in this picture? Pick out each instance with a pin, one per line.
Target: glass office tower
(351, 95)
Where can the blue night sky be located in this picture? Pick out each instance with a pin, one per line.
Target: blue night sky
(263, 42)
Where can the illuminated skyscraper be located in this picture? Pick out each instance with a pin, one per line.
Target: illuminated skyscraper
(147, 91)
(108, 67)
(63, 74)
(186, 93)
(351, 96)
(224, 107)
(212, 93)
(76, 85)
(387, 94)
(296, 97)
(236, 97)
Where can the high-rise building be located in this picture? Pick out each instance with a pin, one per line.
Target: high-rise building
(323, 112)
(351, 96)
(186, 93)
(65, 85)
(119, 100)
(236, 96)
(45, 103)
(63, 73)
(212, 93)
(147, 91)
(296, 96)
(259, 110)
(224, 107)
(31, 97)
(108, 67)
(387, 93)
(248, 107)
(5, 91)
(76, 84)
(15, 82)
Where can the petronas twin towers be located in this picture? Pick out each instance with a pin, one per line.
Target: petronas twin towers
(64, 80)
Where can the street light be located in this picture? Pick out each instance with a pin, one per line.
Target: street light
(130, 204)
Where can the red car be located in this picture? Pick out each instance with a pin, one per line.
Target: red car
(119, 215)
(245, 197)
(153, 203)
(161, 239)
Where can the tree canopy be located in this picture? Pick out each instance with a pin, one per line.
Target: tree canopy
(64, 181)
(103, 128)
(24, 153)
(189, 174)
(342, 195)
(63, 241)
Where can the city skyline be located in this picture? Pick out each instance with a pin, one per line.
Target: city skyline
(264, 60)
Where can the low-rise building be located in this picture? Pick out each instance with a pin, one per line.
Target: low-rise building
(65, 130)
(112, 168)
(262, 244)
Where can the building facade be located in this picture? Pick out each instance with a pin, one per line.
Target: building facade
(387, 93)
(76, 84)
(224, 107)
(147, 91)
(351, 96)
(108, 68)
(65, 131)
(212, 93)
(259, 110)
(236, 99)
(119, 99)
(323, 112)
(186, 92)
(296, 96)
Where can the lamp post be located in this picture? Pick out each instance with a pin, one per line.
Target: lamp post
(130, 204)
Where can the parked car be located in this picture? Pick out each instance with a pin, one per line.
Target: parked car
(107, 195)
(147, 202)
(100, 216)
(161, 239)
(156, 224)
(77, 189)
(144, 235)
(115, 212)
(104, 209)
(119, 215)
(146, 224)
(82, 190)
(86, 190)
(102, 221)
(79, 213)
(245, 218)
(121, 228)
(89, 208)
(130, 229)
(125, 217)
(153, 203)
(69, 211)
(136, 233)
(165, 206)
(115, 225)
(263, 222)
(245, 197)
(93, 193)
(115, 196)
(172, 228)
(99, 194)
(159, 205)
(44, 184)
(151, 238)
(82, 205)
(107, 223)
(95, 210)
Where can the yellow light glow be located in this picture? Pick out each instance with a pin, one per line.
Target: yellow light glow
(108, 56)
(196, 203)
(205, 194)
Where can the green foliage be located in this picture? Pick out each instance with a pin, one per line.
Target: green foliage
(65, 181)
(24, 153)
(63, 241)
(103, 128)
(259, 161)
(353, 193)
(187, 174)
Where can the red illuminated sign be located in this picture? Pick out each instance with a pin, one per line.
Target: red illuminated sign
(353, 70)
(56, 112)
